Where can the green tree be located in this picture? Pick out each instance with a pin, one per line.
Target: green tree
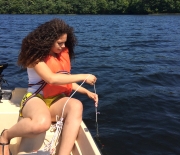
(101, 6)
(121, 6)
(176, 6)
(89, 6)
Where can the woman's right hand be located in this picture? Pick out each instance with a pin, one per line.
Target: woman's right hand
(91, 79)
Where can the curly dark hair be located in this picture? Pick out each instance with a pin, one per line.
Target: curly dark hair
(37, 44)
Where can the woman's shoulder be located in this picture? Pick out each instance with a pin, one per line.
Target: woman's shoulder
(34, 65)
(30, 69)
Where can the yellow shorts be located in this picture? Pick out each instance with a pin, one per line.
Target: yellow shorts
(48, 101)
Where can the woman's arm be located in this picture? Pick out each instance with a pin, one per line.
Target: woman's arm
(47, 75)
(83, 90)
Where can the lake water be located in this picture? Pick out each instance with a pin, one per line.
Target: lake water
(136, 59)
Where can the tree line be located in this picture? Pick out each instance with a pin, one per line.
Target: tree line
(89, 6)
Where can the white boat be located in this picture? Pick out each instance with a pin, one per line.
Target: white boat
(9, 115)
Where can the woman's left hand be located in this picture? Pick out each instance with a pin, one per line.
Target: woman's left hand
(93, 96)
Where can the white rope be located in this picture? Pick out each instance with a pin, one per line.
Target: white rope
(73, 94)
(51, 146)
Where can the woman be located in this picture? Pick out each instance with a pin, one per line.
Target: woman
(46, 52)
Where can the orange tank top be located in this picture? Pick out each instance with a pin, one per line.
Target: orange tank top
(61, 64)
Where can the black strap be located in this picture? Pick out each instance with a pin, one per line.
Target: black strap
(38, 83)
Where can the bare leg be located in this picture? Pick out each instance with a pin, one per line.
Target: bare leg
(37, 119)
(73, 118)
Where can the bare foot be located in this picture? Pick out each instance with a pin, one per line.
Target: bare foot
(4, 143)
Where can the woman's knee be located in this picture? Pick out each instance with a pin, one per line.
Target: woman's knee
(75, 106)
(41, 125)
